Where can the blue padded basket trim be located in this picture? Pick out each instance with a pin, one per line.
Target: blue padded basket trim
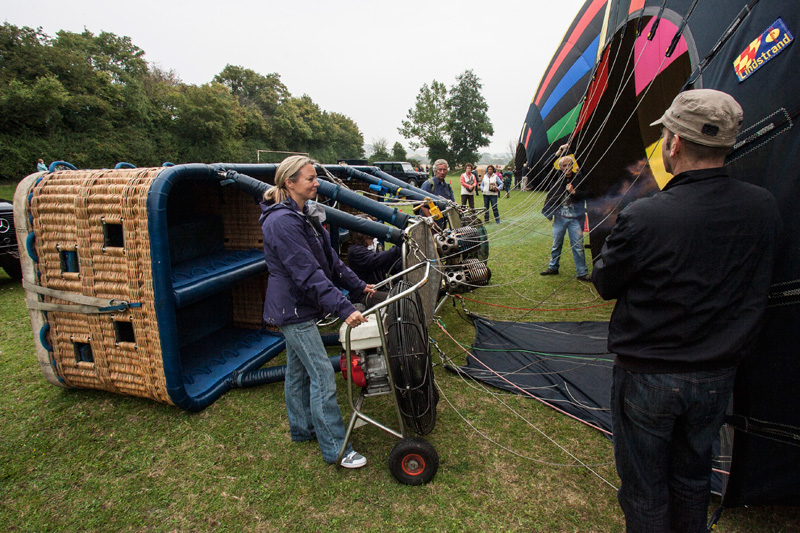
(43, 337)
(197, 396)
(330, 339)
(30, 248)
(54, 164)
(208, 362)
(164, 303)
(198, 278)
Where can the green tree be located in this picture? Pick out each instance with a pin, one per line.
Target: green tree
(345, 139)
(398, 152)
(78, 97)
(33, 106)
(260, 96)
(254, 89)
(162, 89)
(23, 52)
(208, 123)
(426, 123)
(380, 150)
(439, 150)
(468, 123)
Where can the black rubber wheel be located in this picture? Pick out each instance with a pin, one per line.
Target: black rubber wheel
(413, 461)
(11, 266)
(412, 182)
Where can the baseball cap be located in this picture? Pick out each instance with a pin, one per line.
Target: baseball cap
(705, 116)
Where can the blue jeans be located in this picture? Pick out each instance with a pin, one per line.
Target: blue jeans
(310, 390)
(573, 226)
(664, 426)
(490, 200)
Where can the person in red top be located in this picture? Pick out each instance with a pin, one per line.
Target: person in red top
(468, 186)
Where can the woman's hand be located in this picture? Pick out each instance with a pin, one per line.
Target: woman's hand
(355, 319)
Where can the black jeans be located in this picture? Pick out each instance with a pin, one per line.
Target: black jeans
(664, 426)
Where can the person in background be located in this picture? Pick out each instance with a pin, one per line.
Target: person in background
(371, 263)
(508, 176)
(468, 186)
(565, 207)
(304, 276)
(437, 185)
(40, 166)
(491, 185)
(691, 271)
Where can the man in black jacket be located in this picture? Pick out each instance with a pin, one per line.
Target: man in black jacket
(690, 268)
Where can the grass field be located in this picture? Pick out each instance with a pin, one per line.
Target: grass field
(90, 460)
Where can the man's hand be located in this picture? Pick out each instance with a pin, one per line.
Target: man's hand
(369, 289)
(570, 188)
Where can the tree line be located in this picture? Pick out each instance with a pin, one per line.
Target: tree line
(93, 100)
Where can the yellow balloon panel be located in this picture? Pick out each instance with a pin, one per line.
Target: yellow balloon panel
(660, 174)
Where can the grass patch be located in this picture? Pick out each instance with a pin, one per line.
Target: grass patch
(88, 460)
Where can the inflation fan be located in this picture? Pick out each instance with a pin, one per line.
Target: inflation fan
(389, 356)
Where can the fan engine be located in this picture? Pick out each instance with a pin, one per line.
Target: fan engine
(367, 362)
(409, 360)
(466, 276)
(460, 244)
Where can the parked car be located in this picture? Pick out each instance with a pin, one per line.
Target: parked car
(403, 170)
(9, 253)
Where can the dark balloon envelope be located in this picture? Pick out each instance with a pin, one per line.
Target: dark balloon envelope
(618, 68)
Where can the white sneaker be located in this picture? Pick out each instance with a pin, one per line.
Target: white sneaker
(354, 460)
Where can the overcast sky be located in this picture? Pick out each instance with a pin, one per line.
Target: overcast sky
(366, 59)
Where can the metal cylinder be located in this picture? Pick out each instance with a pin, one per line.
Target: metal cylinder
(466, 276)
(459, 244)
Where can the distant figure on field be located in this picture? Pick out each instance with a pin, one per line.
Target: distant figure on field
(565, 207)
(468, 186)
(508, 176)
(491, 185)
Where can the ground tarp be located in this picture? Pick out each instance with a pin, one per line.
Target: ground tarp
(564, 364)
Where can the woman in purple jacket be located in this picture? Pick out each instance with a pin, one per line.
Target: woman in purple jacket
(304, 276)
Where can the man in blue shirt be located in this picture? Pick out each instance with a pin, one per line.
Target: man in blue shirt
(438, 185)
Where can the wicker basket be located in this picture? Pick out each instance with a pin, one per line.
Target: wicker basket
(177, 257)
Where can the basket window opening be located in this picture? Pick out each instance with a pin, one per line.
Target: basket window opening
(113, 235)
(123, 331)
(69, 261)
(83, 352)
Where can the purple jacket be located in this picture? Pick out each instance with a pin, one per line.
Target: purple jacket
(304, 271)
